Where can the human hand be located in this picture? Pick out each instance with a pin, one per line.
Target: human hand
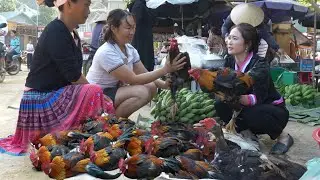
(176, 64)
(167, 84)
(244, 100)
(220, 96)
(163, 84)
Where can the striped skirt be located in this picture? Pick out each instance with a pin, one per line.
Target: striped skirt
(44, 112)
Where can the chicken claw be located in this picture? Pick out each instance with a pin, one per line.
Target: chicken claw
(174, 110)
(231, 126)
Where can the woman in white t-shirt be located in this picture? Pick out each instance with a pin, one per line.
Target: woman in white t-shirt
(117, 68)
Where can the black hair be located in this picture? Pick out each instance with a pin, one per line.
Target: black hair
(49, 3)
(250, 36)
(114, 19)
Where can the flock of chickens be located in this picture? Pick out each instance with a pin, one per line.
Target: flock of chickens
(182, 151)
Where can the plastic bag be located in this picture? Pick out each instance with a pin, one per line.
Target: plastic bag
(313, 172)
(153, 4)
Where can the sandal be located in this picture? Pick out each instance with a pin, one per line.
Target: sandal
(281, 148)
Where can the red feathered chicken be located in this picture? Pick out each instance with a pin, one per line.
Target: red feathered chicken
(178, 77)
(228, 84)
(144, 166)
(66, 166)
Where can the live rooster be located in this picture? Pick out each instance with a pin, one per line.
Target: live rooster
(227, 84)
(178, 77)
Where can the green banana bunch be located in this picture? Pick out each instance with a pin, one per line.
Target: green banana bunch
(192, 107)
(296, 94)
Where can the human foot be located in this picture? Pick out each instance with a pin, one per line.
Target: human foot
(284, 142)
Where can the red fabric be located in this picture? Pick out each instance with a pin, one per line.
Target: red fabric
(63, 114)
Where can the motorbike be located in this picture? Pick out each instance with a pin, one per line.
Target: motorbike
(2, 56)
(2, 63)
(88, 52)
(12, 68)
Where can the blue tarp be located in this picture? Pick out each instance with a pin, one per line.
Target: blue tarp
(282, 10)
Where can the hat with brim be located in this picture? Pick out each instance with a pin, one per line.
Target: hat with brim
(58, 3)
(102, 17)
(247, 13)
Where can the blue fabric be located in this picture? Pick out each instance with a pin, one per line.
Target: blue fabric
(95, 35)
(47, 99)
(281, 11)
(15, 44)
(284, 5)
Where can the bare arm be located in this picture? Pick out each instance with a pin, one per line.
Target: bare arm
(123, 73)
(140, 75)
(139, 68)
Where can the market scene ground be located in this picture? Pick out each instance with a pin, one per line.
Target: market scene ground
(160, 89)
(20, 167)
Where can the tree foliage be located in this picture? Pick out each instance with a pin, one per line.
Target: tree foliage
(46, 15)
(7, 5)
(305, 2)
(128, 2)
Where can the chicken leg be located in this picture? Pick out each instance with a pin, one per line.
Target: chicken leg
(173, 110)
(231, 126)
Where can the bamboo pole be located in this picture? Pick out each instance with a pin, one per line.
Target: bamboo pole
(314, 44)
(316, 9)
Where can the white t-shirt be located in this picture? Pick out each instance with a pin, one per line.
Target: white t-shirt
(263, 48)
(30, 48)
(108, 58)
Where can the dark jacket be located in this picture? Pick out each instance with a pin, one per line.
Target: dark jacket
(57, 60)
(143, 37)
(259, 70)
(263, 32)
(96, 34)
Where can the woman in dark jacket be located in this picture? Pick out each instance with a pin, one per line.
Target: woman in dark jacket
(264, 109)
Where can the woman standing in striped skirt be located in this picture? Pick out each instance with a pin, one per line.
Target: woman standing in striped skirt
(57, 96)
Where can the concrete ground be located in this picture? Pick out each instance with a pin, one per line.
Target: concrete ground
(17, 168)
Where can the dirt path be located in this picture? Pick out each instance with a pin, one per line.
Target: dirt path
(17, 168)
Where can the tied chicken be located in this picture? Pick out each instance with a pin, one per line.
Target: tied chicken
(248, 164)
(71, 164)
(227, 84)
(147, 166)
(45, 154)
(179, 77)
(68, 165)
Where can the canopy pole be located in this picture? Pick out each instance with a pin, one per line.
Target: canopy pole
(314, 42)
(182, 17)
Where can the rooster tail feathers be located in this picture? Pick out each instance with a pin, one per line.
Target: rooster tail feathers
(127, 133)
(97, 172)
(78, 135)
(80, 166)
(171, 165)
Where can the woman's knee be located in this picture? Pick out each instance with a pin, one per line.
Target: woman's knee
(152, 88)
(142, 92)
